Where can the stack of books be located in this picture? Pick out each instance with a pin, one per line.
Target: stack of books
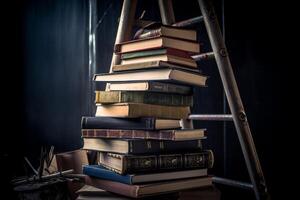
(143, 150)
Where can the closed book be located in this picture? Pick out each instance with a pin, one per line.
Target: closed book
(170, 31)
(176, 135)
(168, 55)
(88, 192)
(102, 173)
(146, 123)
(151, 87)
(136, 146)
(155, 52)
(167, 58)
(142, 110)
(123, 164)
(174, 75)
(157, 64)
(151, 189)
(109, 97)
(156, 43)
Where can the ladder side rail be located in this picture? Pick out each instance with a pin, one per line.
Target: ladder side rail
(234, 99)
(126, 22)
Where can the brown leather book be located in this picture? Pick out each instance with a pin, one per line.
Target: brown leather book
(142, 110)
(134, 164)
(137, 146)
(137, 191)
(181, 134)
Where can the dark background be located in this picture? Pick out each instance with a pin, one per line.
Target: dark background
(45, 83)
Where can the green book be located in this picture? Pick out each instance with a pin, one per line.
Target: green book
(143, 53)
(108, 97)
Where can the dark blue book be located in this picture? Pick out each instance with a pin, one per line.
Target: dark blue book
(146, 123)
(131, 179)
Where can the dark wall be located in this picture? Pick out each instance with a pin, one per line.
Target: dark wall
(48, 65)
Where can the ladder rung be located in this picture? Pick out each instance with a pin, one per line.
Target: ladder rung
(233, 183)
(189, 22)
(211, 117)
(204, 56)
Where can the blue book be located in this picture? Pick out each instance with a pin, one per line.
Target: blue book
(131, 179)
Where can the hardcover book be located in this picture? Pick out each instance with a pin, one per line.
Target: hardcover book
(88, 192)
(155, 52)
(156, 43)
(123, 164)
(102, 173)
(146, 123)
(158, 64)
(137, 191)
(136, 146)
(170, 31)
(176, 135)
(142, 110)
(151, 87)
(174, 75)
(168, 55)
(109, 97)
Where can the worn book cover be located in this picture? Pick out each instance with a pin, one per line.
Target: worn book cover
(123, 164)
(109, 97)
(176, 135)
(138, 146)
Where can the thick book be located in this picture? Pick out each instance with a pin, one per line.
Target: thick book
(168, 55)
(158, 64)
(156, 43)
(134, 110)
(138, 146)
(109, 97)
(174, 75)
(176, 135)
(170, 31)
(102, 173)
(151, 87)
(123, 164)
(145, 123)
(88, 192)
(151, 189)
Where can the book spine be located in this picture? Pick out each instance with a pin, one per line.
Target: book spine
(139, 54)
(170, 88)
(157, 98)
(104, 97)
(159, 111)
(128, 134)
(162, 146)
(98, 172)
(169, 162)
(135, 66)
(117, 123)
